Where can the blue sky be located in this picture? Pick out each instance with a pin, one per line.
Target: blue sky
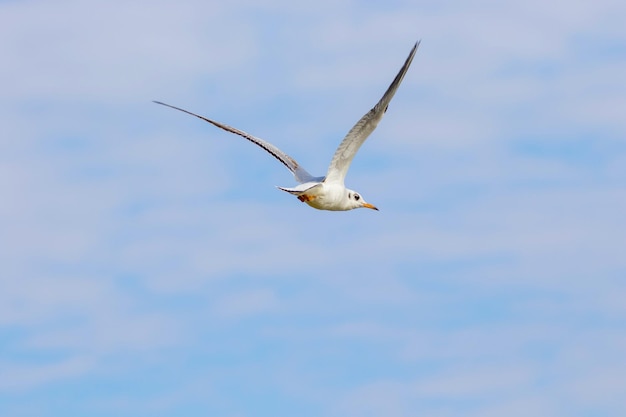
(150, 267)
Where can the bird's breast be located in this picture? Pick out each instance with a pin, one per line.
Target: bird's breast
(324, 197)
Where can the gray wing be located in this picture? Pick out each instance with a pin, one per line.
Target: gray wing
(364, 127)
(300, 174)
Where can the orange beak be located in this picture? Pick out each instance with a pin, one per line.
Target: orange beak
(369, 206)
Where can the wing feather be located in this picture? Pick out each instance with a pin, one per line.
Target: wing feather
(364, 127)
(300, 174)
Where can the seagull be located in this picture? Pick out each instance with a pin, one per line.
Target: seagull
(328, 192)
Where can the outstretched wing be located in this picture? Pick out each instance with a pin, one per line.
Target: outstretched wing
(298, 172)
(364, 127)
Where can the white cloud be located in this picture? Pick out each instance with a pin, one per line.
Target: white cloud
(248, 303)
(18, 378)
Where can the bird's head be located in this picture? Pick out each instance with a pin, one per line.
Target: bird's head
(356, 201)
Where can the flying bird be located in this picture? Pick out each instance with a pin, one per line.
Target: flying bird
(328, 192)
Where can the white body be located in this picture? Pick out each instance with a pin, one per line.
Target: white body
(329, 196)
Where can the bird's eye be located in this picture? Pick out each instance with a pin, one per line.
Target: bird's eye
(357, 197)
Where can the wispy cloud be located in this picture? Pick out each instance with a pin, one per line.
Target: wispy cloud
(149, 253)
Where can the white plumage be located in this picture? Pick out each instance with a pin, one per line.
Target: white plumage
(329, 192)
